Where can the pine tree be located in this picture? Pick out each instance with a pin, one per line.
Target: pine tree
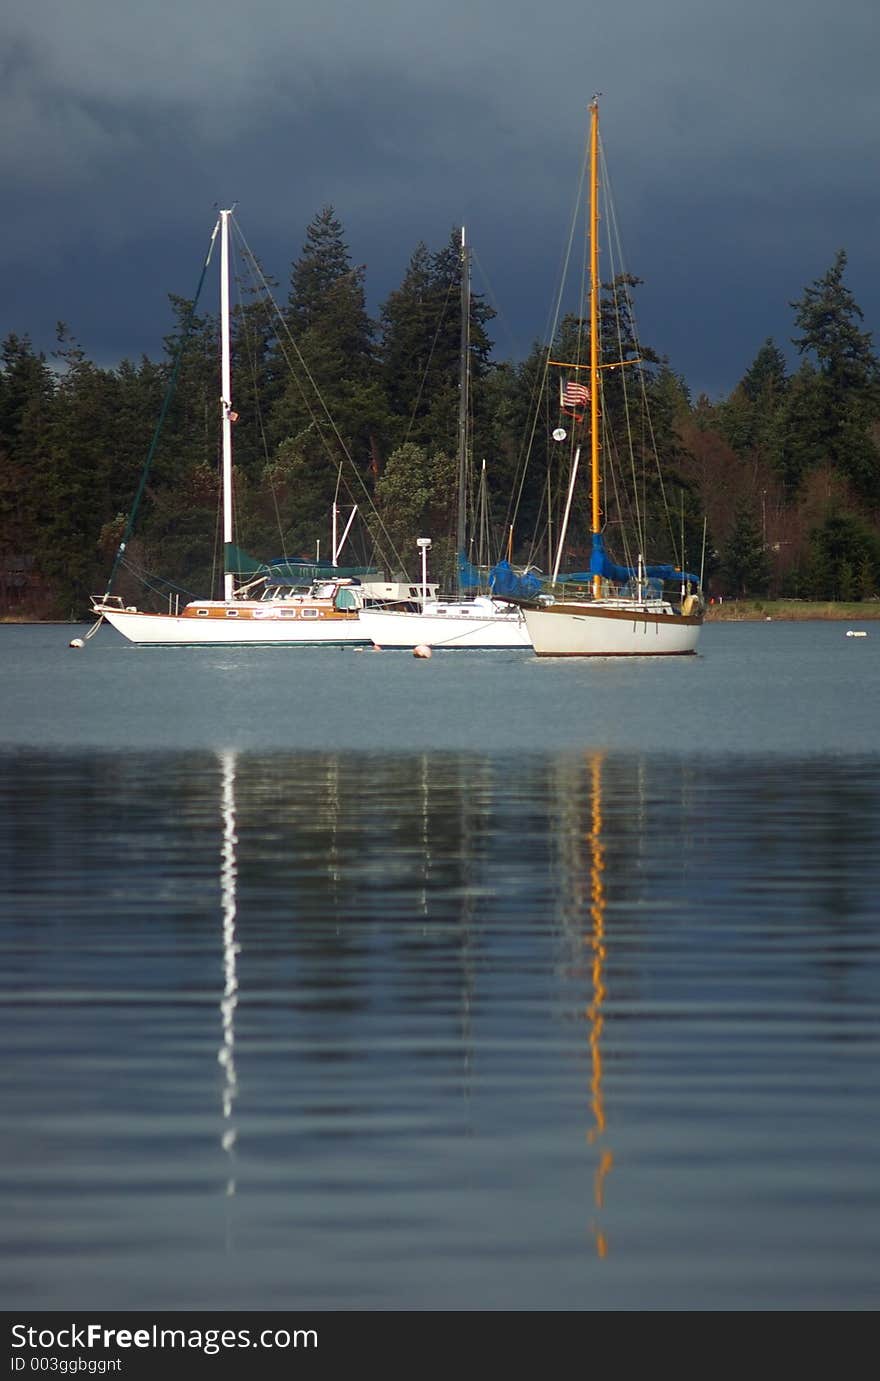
(331, 404)
(845, 402)
(752, 418)
(845, 556)
(27, 401)
(744, 564)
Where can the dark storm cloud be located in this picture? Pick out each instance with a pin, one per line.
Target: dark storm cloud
(740, 143)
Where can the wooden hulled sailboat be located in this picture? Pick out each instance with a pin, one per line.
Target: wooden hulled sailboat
(626, 612)
(263, 608)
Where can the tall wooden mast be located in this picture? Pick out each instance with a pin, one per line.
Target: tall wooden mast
(596, 515)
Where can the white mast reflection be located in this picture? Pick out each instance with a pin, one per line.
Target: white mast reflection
(231, 949)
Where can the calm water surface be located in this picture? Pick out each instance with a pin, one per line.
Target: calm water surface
(337, 979)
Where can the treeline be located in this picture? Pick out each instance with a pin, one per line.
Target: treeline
(774, 489)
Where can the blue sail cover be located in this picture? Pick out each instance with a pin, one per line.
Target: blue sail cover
(601, 564)
(469, 577)
(501, 581)
(505, 583)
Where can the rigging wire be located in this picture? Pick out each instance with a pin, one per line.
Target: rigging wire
(644, 377)
(540, 383)
(285, 340)
(166, 403)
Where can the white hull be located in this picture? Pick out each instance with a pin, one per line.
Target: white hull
(591, 630)
(170, 630)
(453, 629)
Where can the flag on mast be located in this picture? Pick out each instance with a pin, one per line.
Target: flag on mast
(573, 398)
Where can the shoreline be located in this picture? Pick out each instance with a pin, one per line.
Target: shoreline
(791, 610)
(731, 611)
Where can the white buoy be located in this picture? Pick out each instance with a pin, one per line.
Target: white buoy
(77, 642)
(856, 633)
(422, 650)
(377, 647)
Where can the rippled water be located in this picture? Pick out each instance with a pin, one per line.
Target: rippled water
(344, 980)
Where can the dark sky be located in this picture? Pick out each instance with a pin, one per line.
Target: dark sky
(741, 143)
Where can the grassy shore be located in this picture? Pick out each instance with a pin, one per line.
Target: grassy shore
(756, 609)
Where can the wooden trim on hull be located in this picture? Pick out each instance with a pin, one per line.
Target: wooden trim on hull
(164, 630)
(627, 615)
(685, 652)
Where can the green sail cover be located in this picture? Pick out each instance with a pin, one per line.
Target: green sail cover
(238, 562)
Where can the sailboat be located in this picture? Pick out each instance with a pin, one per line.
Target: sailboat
(457, 621)
(624, 611)
(270, 606)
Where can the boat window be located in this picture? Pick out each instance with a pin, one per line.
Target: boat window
(310, 613)
(346, 599)
(202, 613)
(288, 613)
(232, 613)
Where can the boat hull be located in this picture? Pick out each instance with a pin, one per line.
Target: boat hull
(183, 631)
(392, 628)
(589, 630)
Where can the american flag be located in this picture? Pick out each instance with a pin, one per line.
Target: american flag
(573, 395)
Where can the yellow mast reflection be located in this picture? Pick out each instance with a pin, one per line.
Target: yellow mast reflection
(595, 1015)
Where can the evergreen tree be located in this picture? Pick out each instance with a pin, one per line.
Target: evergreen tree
(409, 321)
(76, 475)
(256, 386)
(804, 440)
(752, 418)
(527, 462)
(845, 557)
(416, 496)
(845, 401)
(420, 350)
(27, 402)
(332, 392)
(828, 317)
(744, 564)
(766, 379)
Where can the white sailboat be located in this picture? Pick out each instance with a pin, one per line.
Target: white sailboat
(456, 621)
(625, 613)
(264, 609)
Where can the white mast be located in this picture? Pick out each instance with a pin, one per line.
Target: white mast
(463, 406)
(226, 400)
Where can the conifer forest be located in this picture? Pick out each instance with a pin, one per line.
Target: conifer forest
(774, 490)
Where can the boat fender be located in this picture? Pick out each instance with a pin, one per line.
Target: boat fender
(422, 650)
